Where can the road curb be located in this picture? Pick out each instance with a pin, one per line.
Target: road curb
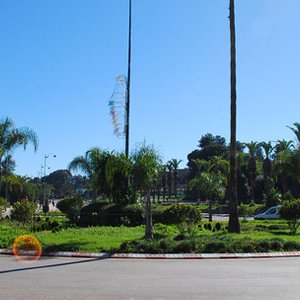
(103, 255)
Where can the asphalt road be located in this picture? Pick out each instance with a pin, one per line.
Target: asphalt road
(71, 278)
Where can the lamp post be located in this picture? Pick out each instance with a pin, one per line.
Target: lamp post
(46, 203)
(45, 161)
(127, 104)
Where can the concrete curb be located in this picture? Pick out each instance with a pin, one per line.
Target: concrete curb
(164, 256)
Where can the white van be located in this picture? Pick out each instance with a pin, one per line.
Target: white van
(271, 214)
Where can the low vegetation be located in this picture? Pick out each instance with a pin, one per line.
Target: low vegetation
(56, 233)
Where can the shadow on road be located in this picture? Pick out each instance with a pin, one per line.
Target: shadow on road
(105, 256)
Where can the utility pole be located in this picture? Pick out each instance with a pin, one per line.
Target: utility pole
(127, 106)
(234, 224)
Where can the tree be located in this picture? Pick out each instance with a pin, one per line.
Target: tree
(93, 164)
(234, 225)
(267, 152)
(169, 178)
(146, 163)
(290, 210)
(210, 146)
(175, 164)
(296, 130)
(117, 174)
(61, 182)
(283, 145)
(211, 179)
(253, 153)
(12, 138)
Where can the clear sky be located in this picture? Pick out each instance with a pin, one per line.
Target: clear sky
(59, 60)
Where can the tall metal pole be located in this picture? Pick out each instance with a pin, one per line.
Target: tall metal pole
(128, 86)
(233, 225)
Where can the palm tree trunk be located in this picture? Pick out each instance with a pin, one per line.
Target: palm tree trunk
(148, 215)
(234, 225)
(175, 183)
(252, 189)
(210, 210)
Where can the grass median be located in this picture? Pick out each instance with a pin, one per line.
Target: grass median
(257, 236)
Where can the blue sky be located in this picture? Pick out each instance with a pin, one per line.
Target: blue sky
(59, 60)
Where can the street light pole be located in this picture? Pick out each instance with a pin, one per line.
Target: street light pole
(45, 200)
(45, 161)
(128, 86)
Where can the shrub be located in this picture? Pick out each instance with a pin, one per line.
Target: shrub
(103, 214)
(290, 210)
(276, 244)
(23, 211)
(185, 246)
(263, 245)
(71, 206)
(242, 245)
(180, 213)
(215, 247)
(291, 246)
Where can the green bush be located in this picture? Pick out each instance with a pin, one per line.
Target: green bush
(180, 213)
(185, 246)
(215, 247)
(290, 210)
(23, 211)
(263, 246)
(103, 214)
(276, 244)
(71, 206)
(291, 246)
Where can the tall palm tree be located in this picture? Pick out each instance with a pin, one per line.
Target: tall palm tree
(253, 153)
(234, 224)
(267, 152)
(175, 164)
(146, 163)
(12, 138)
(296, 130)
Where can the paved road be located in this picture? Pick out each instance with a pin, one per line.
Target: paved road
(222, 217)
(70, 278)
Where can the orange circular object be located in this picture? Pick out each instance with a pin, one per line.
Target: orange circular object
(27, 247)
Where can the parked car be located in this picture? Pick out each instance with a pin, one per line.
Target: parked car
(270, 214)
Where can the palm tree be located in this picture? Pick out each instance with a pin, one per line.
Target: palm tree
(117, 177)
(93, 164)
(175, 164)
(146, 163)
(283, 145)
(234, 224)
(12, 138)
(211, 179)
(267, 152)
(283, 152)
(296, 130)
(253, 153)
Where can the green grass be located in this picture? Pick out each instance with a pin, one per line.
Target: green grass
(109, 239)
(100, 239)
(96, 239)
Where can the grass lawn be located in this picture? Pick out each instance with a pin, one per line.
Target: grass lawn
(109, 239)
(99, 239)
(96, 239)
